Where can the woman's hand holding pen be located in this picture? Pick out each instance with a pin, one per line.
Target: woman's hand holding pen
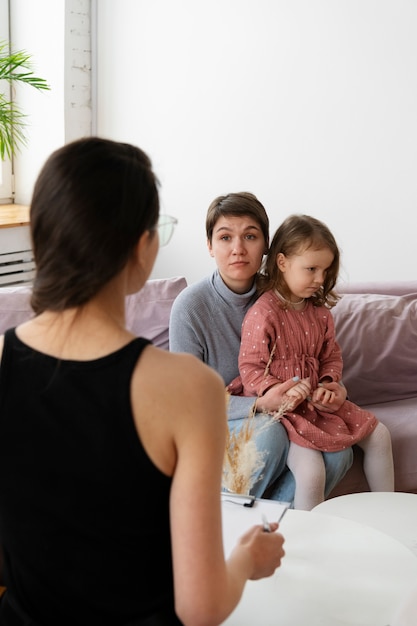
(264, 549)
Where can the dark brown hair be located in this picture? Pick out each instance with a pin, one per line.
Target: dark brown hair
(239, 204)
(92, 201)
(296, 234)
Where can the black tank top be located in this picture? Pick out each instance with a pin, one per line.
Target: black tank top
(84, 513)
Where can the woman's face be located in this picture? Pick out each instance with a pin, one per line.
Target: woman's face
(237, 246)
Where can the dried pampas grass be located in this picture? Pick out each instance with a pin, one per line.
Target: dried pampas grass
(286, 407)
(242, 459)
(287, 404)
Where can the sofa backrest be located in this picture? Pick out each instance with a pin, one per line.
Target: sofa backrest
(14, 306)
(386, 288)
(147, 312)
(376, 327)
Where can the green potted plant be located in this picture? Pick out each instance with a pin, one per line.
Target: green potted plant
(14, 66)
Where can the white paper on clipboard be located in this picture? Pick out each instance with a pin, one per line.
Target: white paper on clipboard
(237, 518)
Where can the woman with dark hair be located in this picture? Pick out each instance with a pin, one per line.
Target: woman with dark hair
(111, 450)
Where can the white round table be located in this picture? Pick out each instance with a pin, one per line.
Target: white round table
(392, 513)
(336, 572)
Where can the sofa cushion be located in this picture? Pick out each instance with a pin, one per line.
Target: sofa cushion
(378, 337)
(400, 417)
(148, 311)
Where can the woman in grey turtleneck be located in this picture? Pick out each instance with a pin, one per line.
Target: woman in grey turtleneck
(206, 321)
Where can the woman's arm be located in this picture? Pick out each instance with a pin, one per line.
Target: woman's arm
(208, 590)
(185, 436)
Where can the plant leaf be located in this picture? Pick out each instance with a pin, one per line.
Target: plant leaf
(15, 66)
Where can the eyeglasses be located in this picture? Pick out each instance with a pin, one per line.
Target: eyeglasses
(165, 226)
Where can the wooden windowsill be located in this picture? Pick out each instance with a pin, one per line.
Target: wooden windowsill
(12, 215)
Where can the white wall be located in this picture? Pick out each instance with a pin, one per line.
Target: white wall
(309, 104)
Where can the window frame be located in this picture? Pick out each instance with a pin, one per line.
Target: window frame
(6, 166)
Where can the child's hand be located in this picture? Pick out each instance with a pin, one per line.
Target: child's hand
(328, 397)
(299, 392)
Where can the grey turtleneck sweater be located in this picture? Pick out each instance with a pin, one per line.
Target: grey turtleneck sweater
(206, 320)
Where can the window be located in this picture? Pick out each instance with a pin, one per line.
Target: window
(5, 166)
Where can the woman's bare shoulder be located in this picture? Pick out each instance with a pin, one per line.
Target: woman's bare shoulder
(181, 366)
(177, 401)
(179, 380)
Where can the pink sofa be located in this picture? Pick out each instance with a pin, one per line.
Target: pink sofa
(147, 312)
(376, 325)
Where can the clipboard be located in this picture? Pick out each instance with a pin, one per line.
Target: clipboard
(279, 507)
(237, 498)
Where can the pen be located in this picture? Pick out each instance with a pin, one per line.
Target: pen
(267, 528)
(266, 525)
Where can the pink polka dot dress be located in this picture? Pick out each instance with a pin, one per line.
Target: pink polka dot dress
(278, 344)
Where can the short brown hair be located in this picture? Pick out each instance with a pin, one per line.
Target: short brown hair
(238, 204)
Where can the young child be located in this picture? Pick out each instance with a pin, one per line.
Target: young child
(289, 332)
